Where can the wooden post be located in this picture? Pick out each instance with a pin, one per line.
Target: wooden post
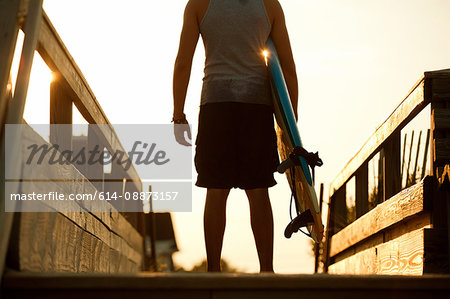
(362, 190)
(95, 148)
(445, 193)
(328, 235)
(402, 168)
(408, 183)
(15, 110)
(380, 181)
(133, 207)
(60, 113)
(142, 229)
(153, 256)
(9, 29)
(425, 155)
(321, 198)
(336, 215)
(391, 166)
(417, 157)
(318, 245)
(440, 141)
(340, 210)
(114, 185)
(78, 143)
(440, 135)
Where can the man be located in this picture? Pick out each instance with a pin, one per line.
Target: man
(236, 141)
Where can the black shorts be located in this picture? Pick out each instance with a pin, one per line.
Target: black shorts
(236, 146)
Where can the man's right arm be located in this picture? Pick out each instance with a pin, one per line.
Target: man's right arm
(182, 69)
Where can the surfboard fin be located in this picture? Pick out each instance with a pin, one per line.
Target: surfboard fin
(303, 219)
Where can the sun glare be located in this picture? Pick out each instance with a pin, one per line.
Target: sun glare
(266, 55)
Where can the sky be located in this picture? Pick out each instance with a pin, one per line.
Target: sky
(356, 60)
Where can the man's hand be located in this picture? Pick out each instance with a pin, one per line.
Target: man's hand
(179, 130)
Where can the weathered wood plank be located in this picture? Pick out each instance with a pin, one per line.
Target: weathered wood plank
(50, 242)
(98, 222)
(403, 255)
(408, 109)
(127, 231)
(46, 172)
(419, 221)
(406, 203)
(89, 223)
(91, 226)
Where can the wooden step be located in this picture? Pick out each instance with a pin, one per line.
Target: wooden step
(216, 286)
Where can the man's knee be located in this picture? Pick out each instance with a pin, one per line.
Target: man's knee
(257, 193)
(217, 194)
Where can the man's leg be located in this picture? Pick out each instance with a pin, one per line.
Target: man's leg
(262, 225)
(214, 225)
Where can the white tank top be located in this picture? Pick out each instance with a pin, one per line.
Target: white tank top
(234, 34)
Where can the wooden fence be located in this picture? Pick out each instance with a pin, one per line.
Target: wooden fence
(395, 231)
(79, 241)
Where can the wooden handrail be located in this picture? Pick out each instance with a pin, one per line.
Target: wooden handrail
(397, 212)
(413, 103)
(57, 57)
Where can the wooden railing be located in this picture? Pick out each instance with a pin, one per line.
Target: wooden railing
(397, 232)
(84, 241)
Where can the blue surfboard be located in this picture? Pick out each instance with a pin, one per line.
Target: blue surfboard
(298, 173)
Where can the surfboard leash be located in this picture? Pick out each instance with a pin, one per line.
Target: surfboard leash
(312, 159)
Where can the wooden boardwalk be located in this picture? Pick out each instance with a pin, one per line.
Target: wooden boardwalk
(217, 286)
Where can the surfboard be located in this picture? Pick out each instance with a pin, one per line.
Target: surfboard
(295, 166)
